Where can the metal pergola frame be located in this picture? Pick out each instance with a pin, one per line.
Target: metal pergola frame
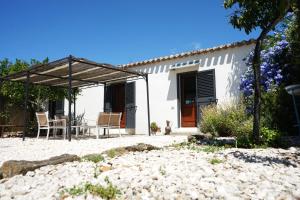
(75, 70)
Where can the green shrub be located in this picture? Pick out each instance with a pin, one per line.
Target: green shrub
(223, 120)
(112, 153)
(105, 192)
(93, 158)
(270, 137)
(215, 161)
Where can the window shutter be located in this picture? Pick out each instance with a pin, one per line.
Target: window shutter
(130, 106)
(206, 85)
(206, 90)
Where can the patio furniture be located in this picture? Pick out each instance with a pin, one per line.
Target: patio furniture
(65, 120)
(45, 124)
(61, 120)
(115, 121)
(108, 121)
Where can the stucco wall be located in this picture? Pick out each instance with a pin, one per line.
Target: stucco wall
(228, 65)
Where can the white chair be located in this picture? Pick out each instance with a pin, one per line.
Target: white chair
(102, 122)
(115, 121)
(45, 124)
(108, 121)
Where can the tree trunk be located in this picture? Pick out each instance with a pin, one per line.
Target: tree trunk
(257, 91)
(295, 43)
(257, 74)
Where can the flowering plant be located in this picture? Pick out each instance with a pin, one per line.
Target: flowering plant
(274, 61)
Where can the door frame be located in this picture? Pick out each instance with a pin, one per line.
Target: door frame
(179, 95)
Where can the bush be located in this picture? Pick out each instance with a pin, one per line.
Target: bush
(226, 120)
(270, 137)
(105, 192)
(232, 120)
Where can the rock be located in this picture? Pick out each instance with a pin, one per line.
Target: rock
(104, 168)
(13, 167)
(198, 137)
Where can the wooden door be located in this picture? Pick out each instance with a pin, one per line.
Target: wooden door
(188, 100)
(118, 101)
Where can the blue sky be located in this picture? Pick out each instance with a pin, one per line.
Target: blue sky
(113, 31)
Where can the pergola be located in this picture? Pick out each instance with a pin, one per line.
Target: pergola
(72, 72)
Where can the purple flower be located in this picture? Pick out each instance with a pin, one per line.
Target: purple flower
(272, 63)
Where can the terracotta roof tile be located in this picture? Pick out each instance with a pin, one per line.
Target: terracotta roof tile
(189, 53)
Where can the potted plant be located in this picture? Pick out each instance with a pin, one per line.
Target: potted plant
(154, 128)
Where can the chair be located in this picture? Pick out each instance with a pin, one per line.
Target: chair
(45, 124)
(109, 121)
(102, 122)
(61, 120)
(115, 121)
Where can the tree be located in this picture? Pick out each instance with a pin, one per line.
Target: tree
(263, 14)
(14, 92)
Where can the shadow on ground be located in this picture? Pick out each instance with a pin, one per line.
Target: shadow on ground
(290, 159)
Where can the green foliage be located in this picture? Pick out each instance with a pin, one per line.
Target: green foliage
(112, 153)
(162, 171)
(278, 111)
(223, 120)
(215, 161)
(95, 158)
(153, 126)
(14, 92)
(212, 148)
(270, 137)
(249, 15)
(199, 148)
(105, 192)
(263, 14)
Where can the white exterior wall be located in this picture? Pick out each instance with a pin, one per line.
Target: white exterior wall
(228, 65)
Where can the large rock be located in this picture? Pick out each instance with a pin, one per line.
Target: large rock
(14, 167)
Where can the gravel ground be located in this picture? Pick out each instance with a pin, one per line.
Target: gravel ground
(172, 174)
(39, 149)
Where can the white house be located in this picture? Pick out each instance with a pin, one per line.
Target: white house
(178, 85)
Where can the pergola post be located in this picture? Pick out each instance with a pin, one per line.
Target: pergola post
(70, 98)
(104, 92)
(74, 108)
(25, 106)
(148, 105)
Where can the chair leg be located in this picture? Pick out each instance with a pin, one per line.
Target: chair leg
(64, 133)
(54, 132)
(48, 132)
(98, 133)
(77, 131)
(38, 134)
(120, 132)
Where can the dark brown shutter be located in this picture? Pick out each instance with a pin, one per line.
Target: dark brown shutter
(130, 105)
(206, 90)
(108, 98)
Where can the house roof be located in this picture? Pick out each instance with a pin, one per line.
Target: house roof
(189, 53)
(81, 71)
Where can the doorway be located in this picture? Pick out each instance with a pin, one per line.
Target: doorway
(188, 99)
(118, 101)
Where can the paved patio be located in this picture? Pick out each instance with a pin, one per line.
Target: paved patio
(39, 149)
